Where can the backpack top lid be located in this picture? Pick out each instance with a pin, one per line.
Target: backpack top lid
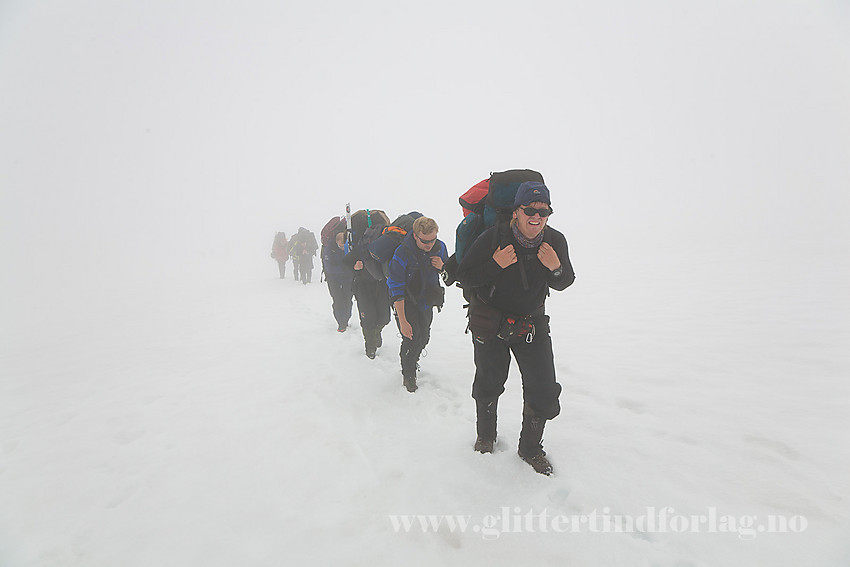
(383, 247)
(333, 227)
(496, 206)
(405, 222)
(308, 239)
(504, 186)
(365, 219)
(473, 200)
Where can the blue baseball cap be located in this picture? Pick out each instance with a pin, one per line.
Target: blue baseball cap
(531, 192)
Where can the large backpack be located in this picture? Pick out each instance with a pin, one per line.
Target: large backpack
(367, 225)
(365, 219)
(333, 227)
(473, 200)
(405, 222)
(498, 206)
(308, 240)
(293, 243)
(383, 247)
(492, 208)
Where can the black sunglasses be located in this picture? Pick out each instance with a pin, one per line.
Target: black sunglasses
(423, 241)
(531, 211)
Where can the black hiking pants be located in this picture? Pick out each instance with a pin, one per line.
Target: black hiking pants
(536, 363)
(340, 291)
(411, 349)
(306, 267)
(373, 303)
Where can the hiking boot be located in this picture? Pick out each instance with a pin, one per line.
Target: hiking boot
(410, 383)
(369, 342)
(485, 421)
(531, 434)
(538, 462)
(370, 337)
(483, 445)
(531, 442)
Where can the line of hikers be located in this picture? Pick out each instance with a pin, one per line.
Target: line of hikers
(387, 267)
(300, 248)
(506, 261)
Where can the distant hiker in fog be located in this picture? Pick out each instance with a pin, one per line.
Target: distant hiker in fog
(305, 248)
(339, 277)
(295, 255)
(280, 252)
(305, 262)
(415, 289)
(511, 268)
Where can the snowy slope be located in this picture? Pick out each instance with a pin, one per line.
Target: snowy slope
(166, 400)
(225, 421)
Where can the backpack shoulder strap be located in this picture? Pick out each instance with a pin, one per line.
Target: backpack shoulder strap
(502, 235)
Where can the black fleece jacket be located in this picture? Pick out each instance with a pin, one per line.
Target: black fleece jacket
(506, 289)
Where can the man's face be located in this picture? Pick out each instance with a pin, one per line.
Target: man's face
(425, 241)
(530, 225)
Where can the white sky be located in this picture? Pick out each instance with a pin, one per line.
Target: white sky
(136, 133)
(166, 138)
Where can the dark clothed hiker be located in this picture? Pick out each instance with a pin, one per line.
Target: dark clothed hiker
(510, 269)
(370, 292)
(305, 262)
(295, 255)
(307, 248)
(339, 277)
(415, 289)
(303, 247)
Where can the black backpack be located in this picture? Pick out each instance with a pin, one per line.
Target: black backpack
(367, 226)
(365, 219)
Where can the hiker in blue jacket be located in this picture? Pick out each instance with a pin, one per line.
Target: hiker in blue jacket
(415, 289)
(339, 277)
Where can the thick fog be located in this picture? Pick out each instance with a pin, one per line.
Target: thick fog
(164, 397)
(163, 139)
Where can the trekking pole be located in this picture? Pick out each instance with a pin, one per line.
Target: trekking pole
(347, 226)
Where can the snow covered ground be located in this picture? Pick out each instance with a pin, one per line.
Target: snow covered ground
(166, 400)
(222, 420)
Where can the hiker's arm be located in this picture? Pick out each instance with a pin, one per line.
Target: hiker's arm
(440, 259)
(403, 325)
(351, 258)
(397, 278)
(563, 276)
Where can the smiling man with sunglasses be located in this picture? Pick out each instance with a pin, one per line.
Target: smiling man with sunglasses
(510, 270)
